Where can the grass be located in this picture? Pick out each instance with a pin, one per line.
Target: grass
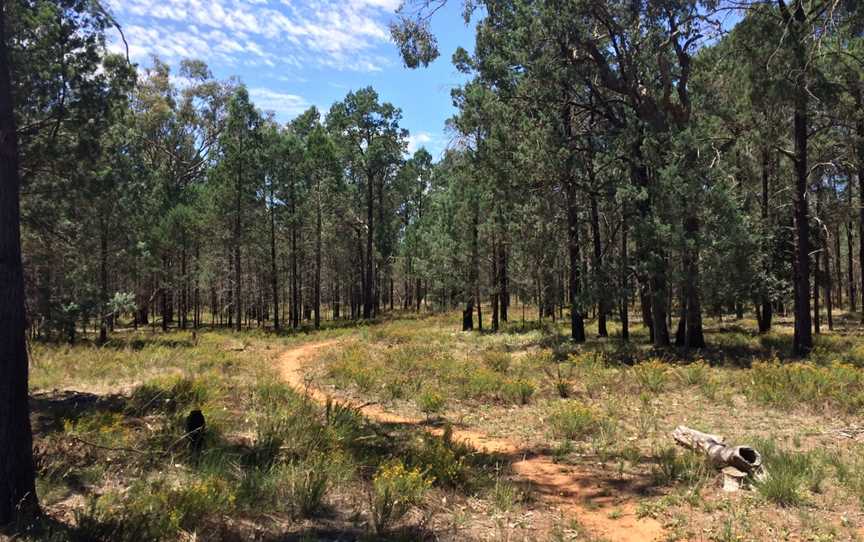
(113, 463)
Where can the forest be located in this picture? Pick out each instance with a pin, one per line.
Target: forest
(221, 325)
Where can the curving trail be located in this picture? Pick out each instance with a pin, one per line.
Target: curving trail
(557, 486)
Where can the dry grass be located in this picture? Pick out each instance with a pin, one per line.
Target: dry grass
(111, 450)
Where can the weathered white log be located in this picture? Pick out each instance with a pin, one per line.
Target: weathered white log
(736, 462)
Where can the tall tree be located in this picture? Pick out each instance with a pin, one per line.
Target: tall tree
(17, 475)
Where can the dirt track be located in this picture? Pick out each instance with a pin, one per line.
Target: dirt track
(559, 486)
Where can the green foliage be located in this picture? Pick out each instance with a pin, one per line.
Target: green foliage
(572, 420)
(431, 402)
(651, 375)
(687, 467)
(395, 490)
(497, 361)
(787, 385)
(518, 391)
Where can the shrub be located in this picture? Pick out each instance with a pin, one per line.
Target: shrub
(442, 459)
(518, 391)
(651, 375)
(431, 402)
(307, 484)
(395, 490)
(695, 374)
(572, 420)
(561, 378)
(479, 383)
(689, 467)
(496, 360)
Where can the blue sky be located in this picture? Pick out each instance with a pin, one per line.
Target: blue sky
(293, 54)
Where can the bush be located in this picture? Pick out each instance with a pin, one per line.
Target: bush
(518, 391)
(431, 402)
(497, 361)
(689, 467)
(395, 490)
(307, 484)
(572, 420)
(651, 375)
(442, 459)
(697, 373)
(561, 378)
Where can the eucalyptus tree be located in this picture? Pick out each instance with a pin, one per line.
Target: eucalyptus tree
(371, 144)
(179, 128)
(412, 185)
(324, 174)
(237, 172)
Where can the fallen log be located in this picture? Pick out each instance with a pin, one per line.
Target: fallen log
(735, 462)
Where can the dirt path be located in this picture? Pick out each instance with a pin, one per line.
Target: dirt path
(560, 486)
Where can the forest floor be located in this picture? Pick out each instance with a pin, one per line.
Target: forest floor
(518, 435)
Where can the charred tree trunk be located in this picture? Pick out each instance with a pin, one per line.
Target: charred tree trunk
(18, 499)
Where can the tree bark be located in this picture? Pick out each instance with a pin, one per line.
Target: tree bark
(18, 500)
(577, 322)
(368, 286)
(803, 338)
(103, 282)
(765, 315)
(598, 267)
(274, 272)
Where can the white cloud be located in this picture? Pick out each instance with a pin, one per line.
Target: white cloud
(333, 33)
(417, 140)
(282, 104)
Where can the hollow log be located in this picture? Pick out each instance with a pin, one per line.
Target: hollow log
(736, 462)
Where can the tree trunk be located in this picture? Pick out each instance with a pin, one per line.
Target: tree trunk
(238, 288)
(18, 500)
(598, 268)
(369, 284)
(694, 338)
(103, 282)
(295, 290)
(764, 312)
(850, 264)
(274, 272)
(318, 229)
(624, 316)
(504, 283)
(859, 152)
(495, 298)
(803, 338)
(577, 323)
